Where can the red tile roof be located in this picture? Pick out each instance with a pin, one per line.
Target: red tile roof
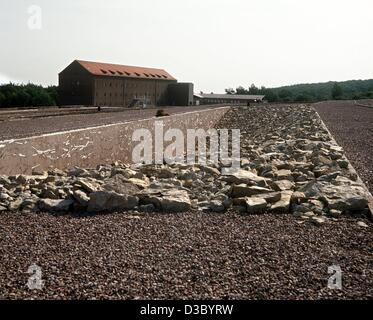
(117, 70)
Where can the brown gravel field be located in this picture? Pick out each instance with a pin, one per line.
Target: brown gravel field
(192, 255)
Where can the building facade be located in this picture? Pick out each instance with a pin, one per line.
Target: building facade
(181, 94)
(236, 99)
(102, 84)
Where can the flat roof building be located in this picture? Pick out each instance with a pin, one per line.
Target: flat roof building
(203, 98)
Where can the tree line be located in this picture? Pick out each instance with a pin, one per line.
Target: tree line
(31, 95)
(27, 95)
(314, 92)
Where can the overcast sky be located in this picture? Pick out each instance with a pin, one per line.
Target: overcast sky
(214, 43)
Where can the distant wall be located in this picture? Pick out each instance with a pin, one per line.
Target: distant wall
(92, 146)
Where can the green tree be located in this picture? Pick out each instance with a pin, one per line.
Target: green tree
(303, 97)
(313, 92)
(254, 90)
(270, 95)
(2, 99)
(27, 95)
(337, 91)
(241, 90)
(230, 91)
(285, 95)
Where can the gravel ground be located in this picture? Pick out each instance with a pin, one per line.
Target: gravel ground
(26, 127)
(190, 255)
(352, 127)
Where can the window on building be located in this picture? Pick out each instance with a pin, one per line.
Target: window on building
(103, 71)
(111, 71)
(138, 74)
(120, 72)
(127, 73)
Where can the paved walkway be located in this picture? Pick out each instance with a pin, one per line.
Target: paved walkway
(22, 127)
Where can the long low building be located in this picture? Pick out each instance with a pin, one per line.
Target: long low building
(203, 98)
(102, 84)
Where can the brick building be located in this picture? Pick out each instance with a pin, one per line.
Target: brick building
(102, 84)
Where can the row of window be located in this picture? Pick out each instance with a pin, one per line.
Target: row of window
(129, 85)
(223, 101)
(116, 84)
(122, 73)
(135, 95)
